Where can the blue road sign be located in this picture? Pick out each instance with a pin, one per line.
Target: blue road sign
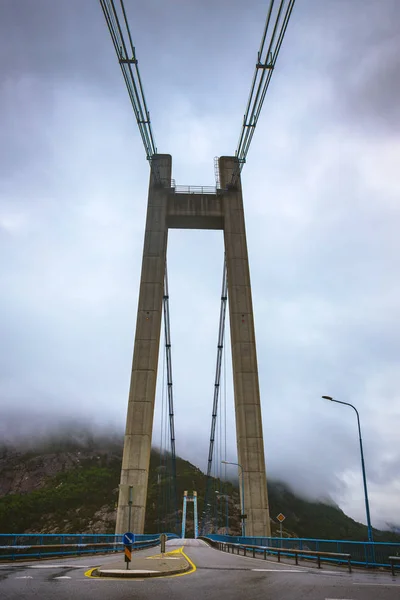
(128, 539)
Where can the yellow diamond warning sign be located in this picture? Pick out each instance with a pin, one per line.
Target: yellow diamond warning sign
(281, 517)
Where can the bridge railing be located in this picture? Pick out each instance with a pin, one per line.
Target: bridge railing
(14, 546)
(191, 189)
(367, 554)
(195, 189)
(262, 551)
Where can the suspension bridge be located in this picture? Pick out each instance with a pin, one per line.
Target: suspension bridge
(220, 207)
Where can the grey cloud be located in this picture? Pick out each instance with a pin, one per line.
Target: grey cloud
(44, 39)
(363, 65)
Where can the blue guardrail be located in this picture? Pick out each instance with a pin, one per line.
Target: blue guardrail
(370, 554)
(35, 545)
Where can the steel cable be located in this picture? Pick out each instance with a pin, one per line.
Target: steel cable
(265, 65)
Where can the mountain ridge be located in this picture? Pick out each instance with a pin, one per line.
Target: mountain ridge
(41, 490)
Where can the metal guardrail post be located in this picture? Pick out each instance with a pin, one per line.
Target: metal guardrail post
(392, 560)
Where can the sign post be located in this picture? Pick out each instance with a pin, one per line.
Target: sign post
(128, 539)
(281, 518)
(163, 539)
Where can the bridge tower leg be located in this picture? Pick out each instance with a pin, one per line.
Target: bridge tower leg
(139, 422)
(249, 433)
(195, 517)
(184, 509)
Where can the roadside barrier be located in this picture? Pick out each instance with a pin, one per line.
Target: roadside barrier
(338, 557)
(41, 546)
(363, 554)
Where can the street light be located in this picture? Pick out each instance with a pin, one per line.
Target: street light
(226, 462)
(370, 538)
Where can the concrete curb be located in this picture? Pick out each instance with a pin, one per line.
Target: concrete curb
(132, 574)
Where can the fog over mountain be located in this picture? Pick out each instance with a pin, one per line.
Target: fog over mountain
(321, 192)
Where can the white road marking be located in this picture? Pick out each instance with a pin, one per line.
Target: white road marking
(380, 584)
(337, 598)
(62, 577)
(125, 571)
(24, 577)
(163, 557)
(323, 572)
(282, 571)
(42, 566)
(58, 566)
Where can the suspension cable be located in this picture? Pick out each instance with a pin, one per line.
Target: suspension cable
(167, 330)
(225, 449)
(126, 55)
(271, 42)
(161, 467)
(220, 346)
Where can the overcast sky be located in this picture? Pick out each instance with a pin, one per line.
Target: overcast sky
(321, 192)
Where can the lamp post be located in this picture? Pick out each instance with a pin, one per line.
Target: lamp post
(370, 537)
(226, 462)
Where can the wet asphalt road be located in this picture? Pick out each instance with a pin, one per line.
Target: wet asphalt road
(218, 575)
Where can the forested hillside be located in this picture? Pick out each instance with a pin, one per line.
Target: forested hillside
(72, 487)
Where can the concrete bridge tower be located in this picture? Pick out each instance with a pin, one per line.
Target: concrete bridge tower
(167, 209)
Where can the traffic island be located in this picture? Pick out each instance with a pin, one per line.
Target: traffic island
(157, 565)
